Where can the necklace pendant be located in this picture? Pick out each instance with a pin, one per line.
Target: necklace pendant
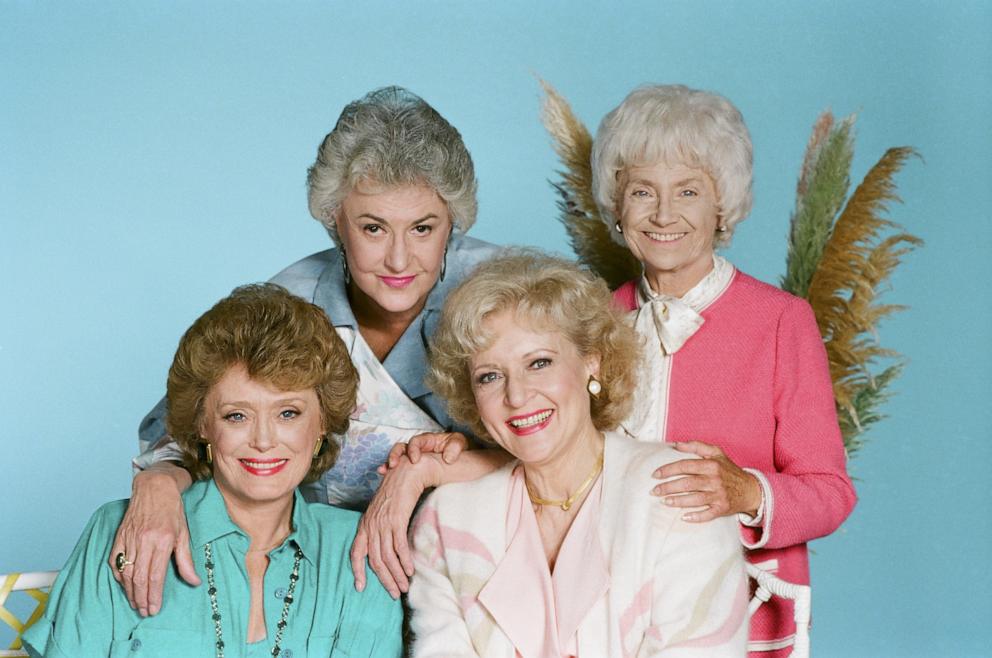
(567, 505)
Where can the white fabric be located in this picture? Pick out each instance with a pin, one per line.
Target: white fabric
(766, 510)
(353, 479)
(666, 323)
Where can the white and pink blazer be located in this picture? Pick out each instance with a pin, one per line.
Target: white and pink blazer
(671, 589)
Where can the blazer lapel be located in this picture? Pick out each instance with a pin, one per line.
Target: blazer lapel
(582, 574)
(519, 594)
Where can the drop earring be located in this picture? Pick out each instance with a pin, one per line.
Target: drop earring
(205, 452)
(320, 448)
(618, 228)
(344, 266)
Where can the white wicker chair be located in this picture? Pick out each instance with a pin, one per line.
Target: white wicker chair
(769, 585)
(33, 584)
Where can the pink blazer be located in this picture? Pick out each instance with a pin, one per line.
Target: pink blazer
(754, 380)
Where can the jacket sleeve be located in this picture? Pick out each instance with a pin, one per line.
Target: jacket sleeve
(699, 592)
(438, 625)
(154, 445)
(811, 493)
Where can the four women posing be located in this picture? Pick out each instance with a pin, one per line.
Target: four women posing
(646, 450)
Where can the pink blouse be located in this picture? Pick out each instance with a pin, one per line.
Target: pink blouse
(541, 609)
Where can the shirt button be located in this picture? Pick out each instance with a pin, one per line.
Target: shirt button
(280, 593)
(135, 644)
(286, 653)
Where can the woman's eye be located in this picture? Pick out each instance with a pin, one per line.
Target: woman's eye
(422, 229)
(688, 193)
(372, 229)
(640, 193)
(235, 417)
(486, 378)
(540, 363)
(289, 413)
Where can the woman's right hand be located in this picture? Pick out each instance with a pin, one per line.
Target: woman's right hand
(382, 531)
(153, 530)
(448, 444)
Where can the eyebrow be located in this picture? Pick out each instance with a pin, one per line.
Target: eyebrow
(246, 403)
(423, 219)
(685, 181)
(525, 356)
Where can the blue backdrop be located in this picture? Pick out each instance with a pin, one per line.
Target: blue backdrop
(153, 156)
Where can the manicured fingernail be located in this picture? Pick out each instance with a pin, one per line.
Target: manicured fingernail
(668, 500)
(143, 612)
(688, 517)
(360, 587)
(656, 474)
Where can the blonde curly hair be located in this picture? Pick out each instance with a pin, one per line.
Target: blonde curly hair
(552, 293)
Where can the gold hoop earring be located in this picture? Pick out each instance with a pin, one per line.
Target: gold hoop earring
(318, 449)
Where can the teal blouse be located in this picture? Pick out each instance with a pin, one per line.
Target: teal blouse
(88, 613)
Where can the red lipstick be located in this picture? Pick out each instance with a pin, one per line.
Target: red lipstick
(526, 424)
(263, 467)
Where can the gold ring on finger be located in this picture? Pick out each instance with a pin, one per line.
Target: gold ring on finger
(121, 561)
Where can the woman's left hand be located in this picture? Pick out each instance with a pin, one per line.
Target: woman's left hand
(382, 531)
(713, 482)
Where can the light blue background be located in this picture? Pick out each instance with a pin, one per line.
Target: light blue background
(153, 156)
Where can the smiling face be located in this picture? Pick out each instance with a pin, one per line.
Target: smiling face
(262, 438)
(530, 389)
(394, 241)
(669, 216)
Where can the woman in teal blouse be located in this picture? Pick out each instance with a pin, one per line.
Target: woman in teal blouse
(256, 384)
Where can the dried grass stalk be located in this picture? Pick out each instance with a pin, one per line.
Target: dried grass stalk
(587, 233)
(827, 182)
(857, 260)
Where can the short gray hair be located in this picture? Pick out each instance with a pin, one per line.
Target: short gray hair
(392, 137)
(675, 124)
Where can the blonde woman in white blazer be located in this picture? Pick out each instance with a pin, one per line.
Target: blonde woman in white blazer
(561, 552)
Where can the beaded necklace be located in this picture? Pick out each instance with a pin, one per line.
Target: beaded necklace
(212, 591)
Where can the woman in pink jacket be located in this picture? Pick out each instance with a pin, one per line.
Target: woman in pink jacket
(736, 369)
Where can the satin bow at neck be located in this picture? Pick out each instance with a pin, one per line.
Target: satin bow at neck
(674, 320)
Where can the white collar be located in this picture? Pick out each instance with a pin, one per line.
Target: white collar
(673, 320)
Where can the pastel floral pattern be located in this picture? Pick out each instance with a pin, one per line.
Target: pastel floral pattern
(383, 416)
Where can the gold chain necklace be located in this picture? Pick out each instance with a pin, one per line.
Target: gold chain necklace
(566, 504)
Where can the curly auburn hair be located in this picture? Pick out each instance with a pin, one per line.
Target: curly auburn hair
(553, 293)
(280, 339)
